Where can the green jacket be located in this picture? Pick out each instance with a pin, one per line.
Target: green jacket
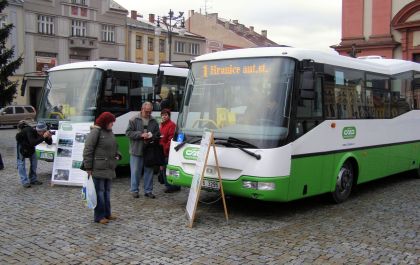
(99, 154)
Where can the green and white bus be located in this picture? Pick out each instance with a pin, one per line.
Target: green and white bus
(291, 123)
(79, 92)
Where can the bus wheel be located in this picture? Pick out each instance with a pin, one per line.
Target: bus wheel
(344, 183)
(417, 173)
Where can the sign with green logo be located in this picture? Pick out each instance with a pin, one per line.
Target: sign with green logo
(191, 153)
(349, 132)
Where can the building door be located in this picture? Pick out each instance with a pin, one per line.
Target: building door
(34, 96)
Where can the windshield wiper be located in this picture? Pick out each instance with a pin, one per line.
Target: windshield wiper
(193, 140)
(230, 142)
(237, 141)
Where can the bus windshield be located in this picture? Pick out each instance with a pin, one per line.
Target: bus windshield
(70, 95)
(247, 99)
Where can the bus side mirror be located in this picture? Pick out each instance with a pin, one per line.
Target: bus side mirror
(307, 87)
(109, 83)
(158, 81)
(188, 94)
(109, 80)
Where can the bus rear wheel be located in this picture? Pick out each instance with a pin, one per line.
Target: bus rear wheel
(344, 183)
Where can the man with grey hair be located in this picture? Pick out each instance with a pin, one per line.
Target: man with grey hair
(141, 129)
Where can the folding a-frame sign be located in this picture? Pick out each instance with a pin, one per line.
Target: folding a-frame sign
(207, 142)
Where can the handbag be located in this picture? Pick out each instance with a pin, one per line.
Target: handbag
(89, 193)
(153, 155)
(82, 166)
(161, 177)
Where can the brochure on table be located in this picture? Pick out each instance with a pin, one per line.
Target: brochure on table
(69, 153)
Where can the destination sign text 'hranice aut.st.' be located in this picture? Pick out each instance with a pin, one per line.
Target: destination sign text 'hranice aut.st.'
(212, 70)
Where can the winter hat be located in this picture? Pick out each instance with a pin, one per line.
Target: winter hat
(166, 111)
(104, 119)
(41, 126)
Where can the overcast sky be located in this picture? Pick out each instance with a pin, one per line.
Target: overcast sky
(313, 24)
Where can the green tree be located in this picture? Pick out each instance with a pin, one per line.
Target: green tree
(8, 66)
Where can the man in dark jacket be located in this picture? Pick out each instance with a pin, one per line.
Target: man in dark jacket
(30, 138)
(141, 129)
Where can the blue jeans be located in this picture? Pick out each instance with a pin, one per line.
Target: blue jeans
(136, 166)
(20, 162)
(103, 197)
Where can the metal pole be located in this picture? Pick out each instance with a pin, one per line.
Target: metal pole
(170, 44)
(170, 35)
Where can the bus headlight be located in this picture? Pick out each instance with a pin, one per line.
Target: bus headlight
(249, 184)
(266, 185)
(172, 172)
(258, 185)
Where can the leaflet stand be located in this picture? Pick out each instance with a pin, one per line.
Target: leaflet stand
(197, 181)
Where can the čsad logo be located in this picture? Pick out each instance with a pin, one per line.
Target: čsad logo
(349, 132)
(191, 153)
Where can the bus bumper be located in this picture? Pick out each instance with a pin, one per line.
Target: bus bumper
(264, 189)
(44, 154)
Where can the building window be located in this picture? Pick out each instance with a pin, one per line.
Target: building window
(161, 45)
(45, 24)
(195, 48)
(79, 2)
(108, 33)
(138, 42)
(150, 44)
(83, 12)
(78, 28)
(179, 47)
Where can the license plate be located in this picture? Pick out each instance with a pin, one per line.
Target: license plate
(212, 184)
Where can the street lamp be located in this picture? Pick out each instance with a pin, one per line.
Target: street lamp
(171, 22)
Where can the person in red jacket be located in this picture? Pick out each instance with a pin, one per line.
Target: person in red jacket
(167, 131)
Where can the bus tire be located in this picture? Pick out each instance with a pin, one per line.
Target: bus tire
(416, 173)
(344, 183)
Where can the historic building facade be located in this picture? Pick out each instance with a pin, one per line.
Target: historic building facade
(52, 32)
(388, 28)
(222, 34)
(146, 44)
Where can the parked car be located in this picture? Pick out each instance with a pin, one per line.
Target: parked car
(11, 115)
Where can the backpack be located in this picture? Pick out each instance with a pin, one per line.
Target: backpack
(20, 136)
(25, 149)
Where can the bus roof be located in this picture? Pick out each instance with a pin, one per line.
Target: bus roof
(123, 66)
(383, 66)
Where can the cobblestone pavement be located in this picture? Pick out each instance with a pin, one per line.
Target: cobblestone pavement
(379, 224)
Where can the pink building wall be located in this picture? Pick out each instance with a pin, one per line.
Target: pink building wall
(381, 17)
(352, 19)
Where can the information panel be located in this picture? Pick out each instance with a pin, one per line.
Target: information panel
(197, 178)
(69, 153)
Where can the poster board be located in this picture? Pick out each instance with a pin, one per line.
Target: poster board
(69, 153)
(207, 142)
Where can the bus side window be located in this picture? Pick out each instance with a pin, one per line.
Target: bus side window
(309, 111)
(135, 92)
(116, 99)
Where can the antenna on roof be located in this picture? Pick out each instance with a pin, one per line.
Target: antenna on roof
(206, 7)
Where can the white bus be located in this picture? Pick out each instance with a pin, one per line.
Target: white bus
(292, 123)
(79, 92)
